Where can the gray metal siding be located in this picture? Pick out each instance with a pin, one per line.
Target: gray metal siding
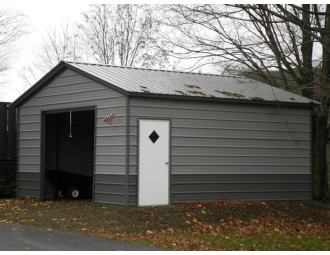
(71, 90)
(230, 141)
(29, 185)
(110, 188)
(243, 186)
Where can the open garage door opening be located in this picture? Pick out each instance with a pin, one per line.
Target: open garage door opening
(69, 154)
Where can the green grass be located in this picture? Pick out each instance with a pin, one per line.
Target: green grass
(268, 243)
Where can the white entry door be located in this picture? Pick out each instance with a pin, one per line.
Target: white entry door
(154, 162)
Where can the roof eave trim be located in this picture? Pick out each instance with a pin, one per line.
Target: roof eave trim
(216, 99)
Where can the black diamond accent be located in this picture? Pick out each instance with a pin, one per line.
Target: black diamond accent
(154, 136)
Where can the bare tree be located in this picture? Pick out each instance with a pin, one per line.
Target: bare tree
(284, 45)
(97, 33)
(12, 28)
(110, 34)
(59, 44)
(122, 35)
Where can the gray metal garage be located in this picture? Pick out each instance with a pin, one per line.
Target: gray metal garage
(152, 137)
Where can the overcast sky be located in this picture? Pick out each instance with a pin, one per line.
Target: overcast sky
(42, 15)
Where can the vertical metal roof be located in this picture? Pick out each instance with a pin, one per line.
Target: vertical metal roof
(161, 82)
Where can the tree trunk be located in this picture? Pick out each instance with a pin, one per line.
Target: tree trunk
(320, 120)
(307, 53)
(319, 155)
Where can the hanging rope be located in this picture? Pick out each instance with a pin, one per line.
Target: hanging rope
(70, 134)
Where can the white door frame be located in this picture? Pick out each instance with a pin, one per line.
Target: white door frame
(165, 126)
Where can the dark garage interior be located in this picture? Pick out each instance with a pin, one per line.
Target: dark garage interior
(69, 154)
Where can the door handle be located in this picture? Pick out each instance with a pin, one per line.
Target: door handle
(166, 163)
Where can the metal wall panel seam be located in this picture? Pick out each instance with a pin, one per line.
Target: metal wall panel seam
(69, 93)
(72, 83)
(94, 158)
(68, 102)
(18, 125)
(213, 111)
(42, 154)
(127, 145)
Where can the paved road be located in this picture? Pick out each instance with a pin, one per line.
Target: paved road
(20, 238)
